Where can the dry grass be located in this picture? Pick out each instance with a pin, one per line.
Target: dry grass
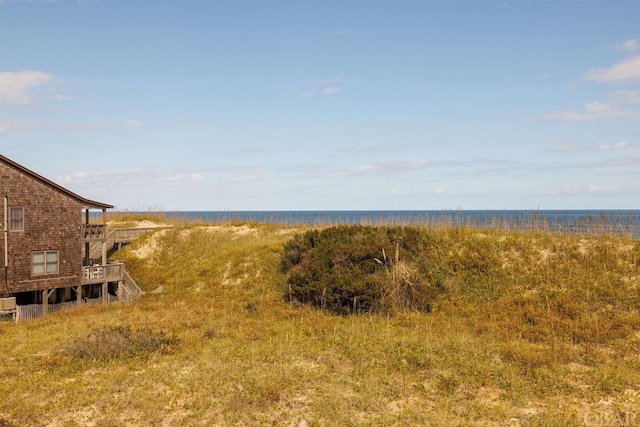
(398, 295)
(116, 342)
(534, 330)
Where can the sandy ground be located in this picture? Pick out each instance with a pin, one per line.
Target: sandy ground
(150, 246)
(143, 224)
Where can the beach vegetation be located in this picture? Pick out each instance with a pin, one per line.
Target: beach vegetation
(516, 327)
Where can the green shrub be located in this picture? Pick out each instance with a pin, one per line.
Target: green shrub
(352, 269)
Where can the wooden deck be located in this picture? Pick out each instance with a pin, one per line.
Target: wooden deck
(102, 273)
(113, 272)
(118, 237)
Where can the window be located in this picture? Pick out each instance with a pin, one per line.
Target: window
(16, 219)
(45, 262)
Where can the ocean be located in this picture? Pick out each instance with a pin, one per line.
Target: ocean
(582, 222)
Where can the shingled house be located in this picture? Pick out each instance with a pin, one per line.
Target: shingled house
(46, 241)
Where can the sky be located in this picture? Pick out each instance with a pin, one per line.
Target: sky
(326, 104)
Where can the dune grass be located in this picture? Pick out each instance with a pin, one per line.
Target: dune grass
(532, 329)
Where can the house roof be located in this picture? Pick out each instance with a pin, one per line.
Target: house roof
(86, 203)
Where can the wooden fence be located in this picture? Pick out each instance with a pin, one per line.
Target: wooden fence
(33, 311)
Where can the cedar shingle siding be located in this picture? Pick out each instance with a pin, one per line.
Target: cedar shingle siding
(52, 222)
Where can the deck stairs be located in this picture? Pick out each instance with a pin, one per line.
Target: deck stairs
(130, 289)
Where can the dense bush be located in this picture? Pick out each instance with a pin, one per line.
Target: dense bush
(533, 286)
(350, 269)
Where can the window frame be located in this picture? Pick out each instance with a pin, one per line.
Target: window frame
(45, 263)
(12, 219)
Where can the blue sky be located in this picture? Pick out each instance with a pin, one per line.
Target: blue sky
(326, 105)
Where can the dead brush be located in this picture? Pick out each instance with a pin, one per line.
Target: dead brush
(117, 342)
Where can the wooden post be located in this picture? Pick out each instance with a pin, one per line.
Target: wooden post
(45, 301)
(104, 223)
(79, 294)
(105, 292)
(86, 245)
(105, 285)
(120, 291)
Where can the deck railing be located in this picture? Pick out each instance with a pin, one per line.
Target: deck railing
(102, 273)
(120, 236)
(94, 231)
(126, 235)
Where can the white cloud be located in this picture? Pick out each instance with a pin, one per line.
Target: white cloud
(614, 107)
(323, 82)
(604, 147)
(626, 96)
(131, 178)
(59, 97)
(379, 168)
(73, 127)
(594, 111)
(623, 161)
(197, 177)
(15, 86)
(439, 190)
(132, 122)
(241, 179)
(19, 125)
(323, 87)
(172, 178)
(381, 148)
(583, 190)
(565, 189)
(628, 46)
(115, 178)
(179, 178)
(331, 90)
(602, 188)
(25, 126)
(617, 146)
(627, 70)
